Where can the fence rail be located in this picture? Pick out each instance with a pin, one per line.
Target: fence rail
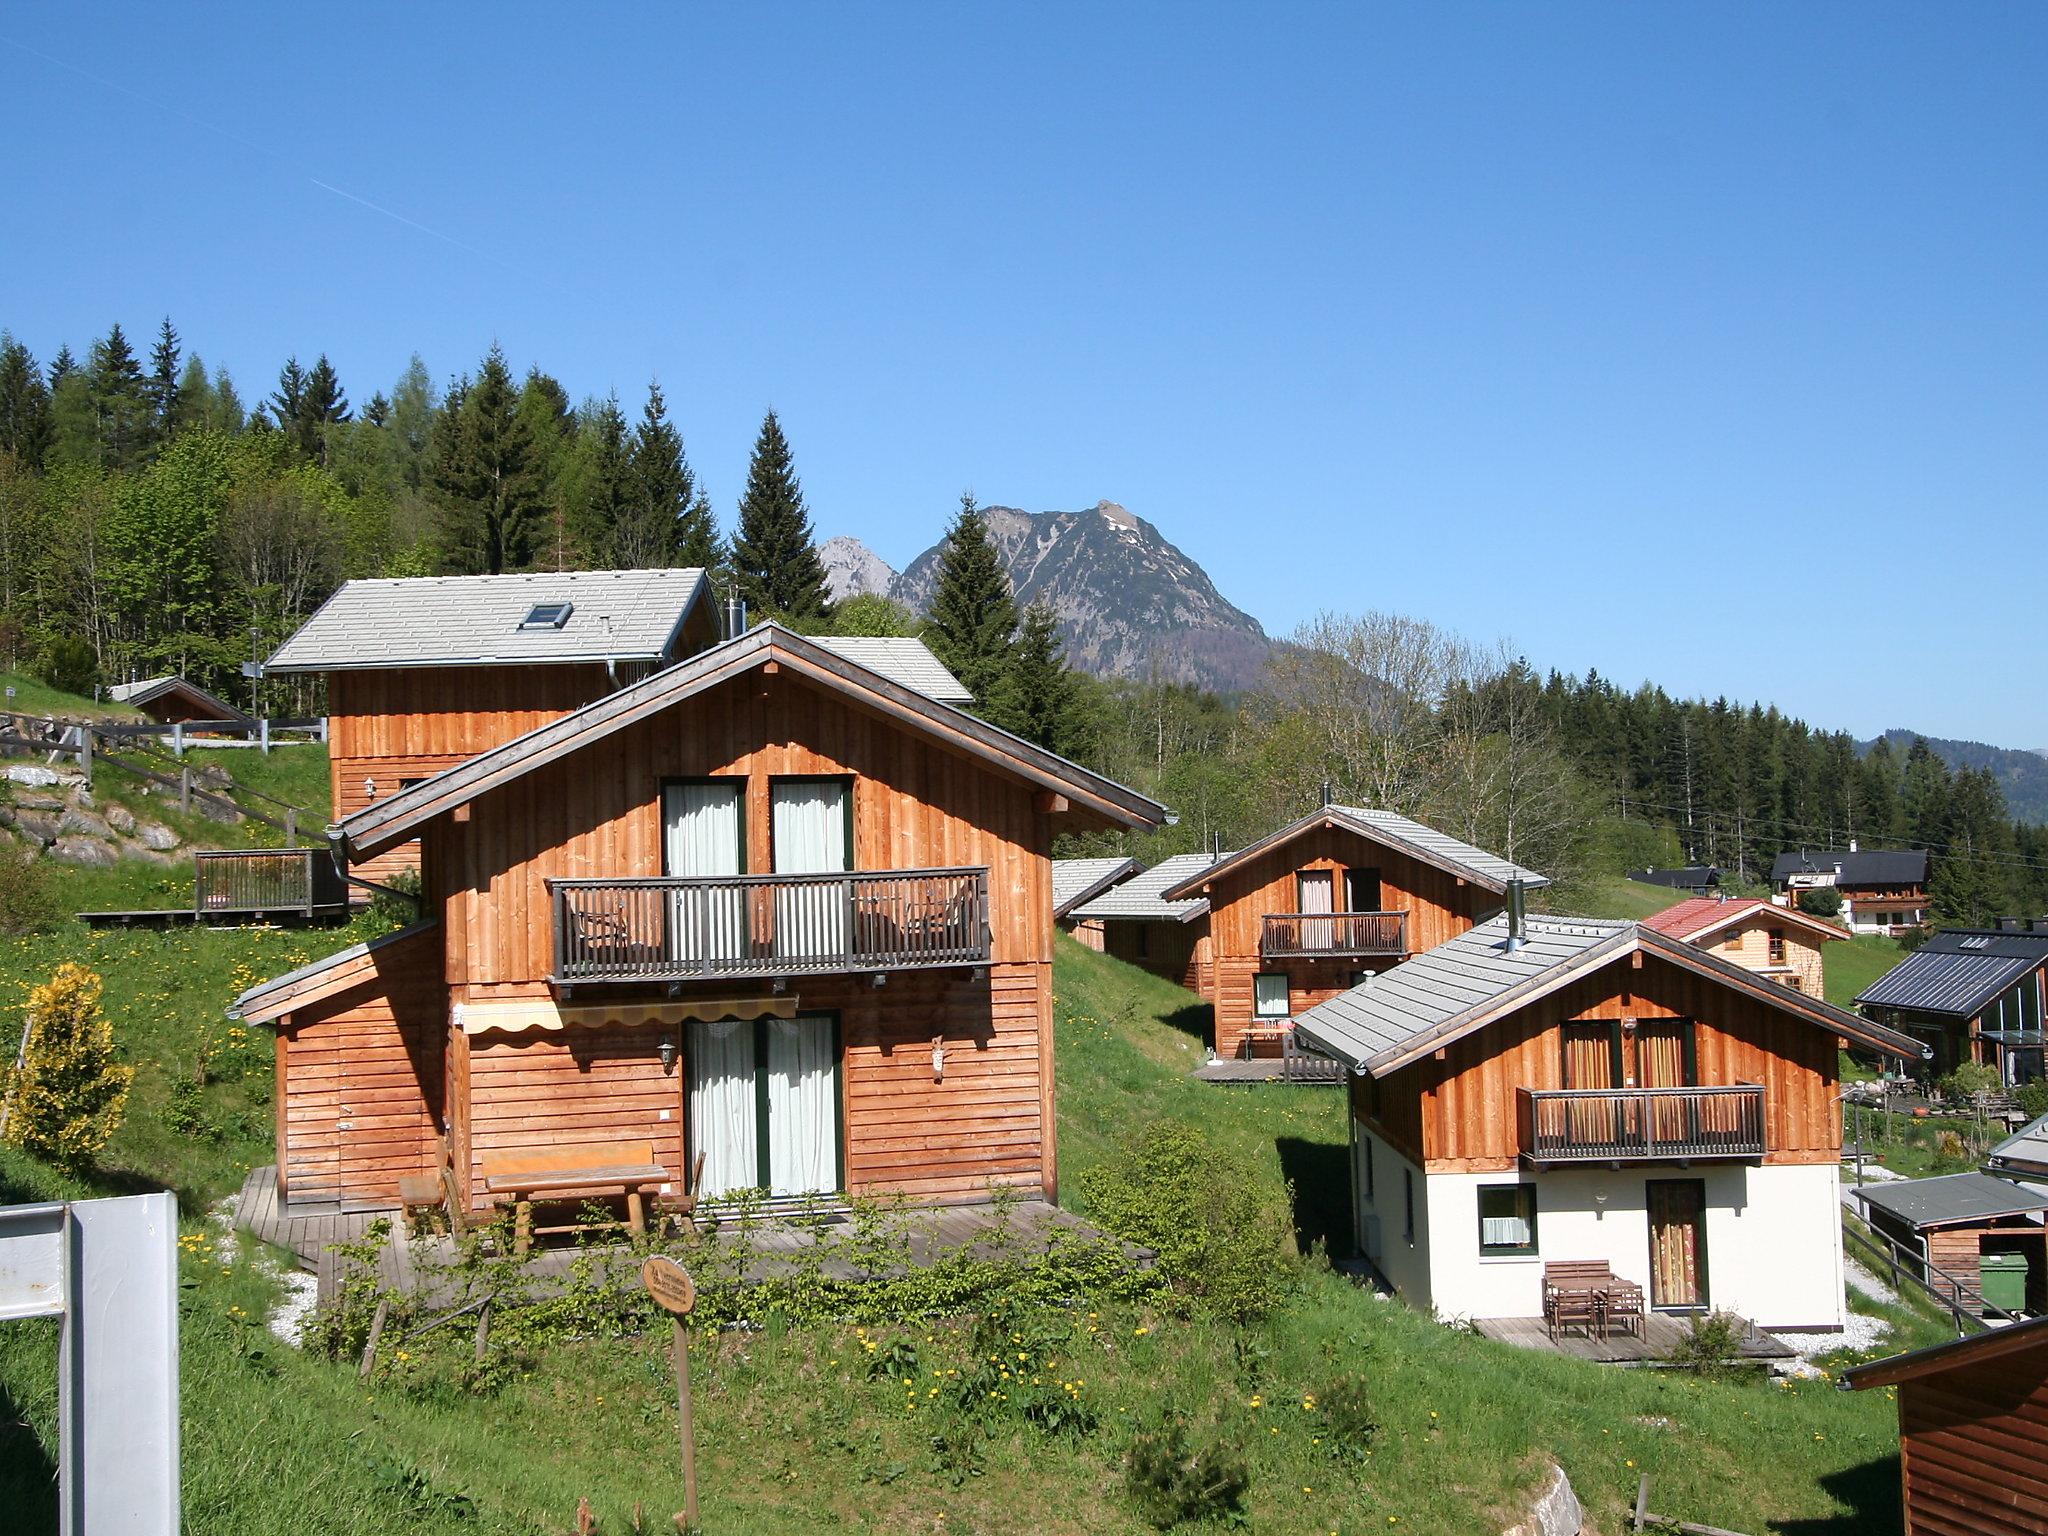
(706, 928)
(1593, 1125)
(1314, 934)
(241, 881)
(1904, 1266)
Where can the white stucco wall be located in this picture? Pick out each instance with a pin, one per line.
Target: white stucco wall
(1404, 1263)
(1773, 1239)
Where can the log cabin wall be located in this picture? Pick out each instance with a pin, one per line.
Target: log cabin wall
(1439, 908)
(1460, 1112)
(360, 1081)
(1973, 1447)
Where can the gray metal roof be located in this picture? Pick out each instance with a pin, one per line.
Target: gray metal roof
(1405, 834)
(902, 660)
(1435, 989)
(1141, 896)
(1859, 866)
(1958, 972)
(144, 690)
(2025, 1151)
(1077, 880)
(1953, 1197)
(427, 621)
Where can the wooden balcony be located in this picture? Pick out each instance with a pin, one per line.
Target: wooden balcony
(1641, 1124)
(1333, 935)
(721, 927)
(266, 882)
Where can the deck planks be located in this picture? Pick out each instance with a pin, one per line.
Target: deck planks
(1661, 1334)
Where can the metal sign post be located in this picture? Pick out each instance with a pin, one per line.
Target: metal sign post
(676, 1294)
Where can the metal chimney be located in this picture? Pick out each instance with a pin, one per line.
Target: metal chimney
(1517, 913)
(1328, 798)
(735, 614)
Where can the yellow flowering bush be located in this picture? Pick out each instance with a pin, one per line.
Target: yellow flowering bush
(70, 1093)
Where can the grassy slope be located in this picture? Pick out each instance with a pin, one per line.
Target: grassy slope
(32, 696)
(796, 1438)
(1614, 896)
(1855, 963)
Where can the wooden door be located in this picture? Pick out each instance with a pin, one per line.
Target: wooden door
(1678, 1242)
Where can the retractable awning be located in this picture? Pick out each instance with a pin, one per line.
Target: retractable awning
(526, 1014)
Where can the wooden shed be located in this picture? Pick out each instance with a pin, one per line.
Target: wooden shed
(176, 700)
(1963, 1226)
(1973, 1432)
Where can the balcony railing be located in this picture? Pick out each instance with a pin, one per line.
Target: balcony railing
(246, 882)
(707, 928)
(1336, 934)
(1595, 1125)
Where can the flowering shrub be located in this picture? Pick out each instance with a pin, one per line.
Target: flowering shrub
(69, 1096)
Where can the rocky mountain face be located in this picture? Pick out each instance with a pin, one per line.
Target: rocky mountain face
(1129, 603)
(852, 569)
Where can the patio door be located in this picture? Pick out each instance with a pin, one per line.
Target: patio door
(1678, 1242)
(1664, 1059)
(1315, 891)
(703, 833)
(1592, 1060)
(763, 1107)
(813, 829)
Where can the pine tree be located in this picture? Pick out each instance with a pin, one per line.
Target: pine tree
(68, 1098)
(378, 412)
(163, 382)
(121, 413)
(659, 491)
(1038, 698)
(24, 405)
(773, 556)
(697, 542)
(973, 618)
(492, 507)
(324, 405)
(62, 366)
(288, 401)
(550, 426)
(601, 485)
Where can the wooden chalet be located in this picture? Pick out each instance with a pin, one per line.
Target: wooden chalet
(1078, 881)
(1134, 920)
(1971, 994)
(1301, 916)
(1544, 1093)
(1779, 942)
(1973, 1432)
(176, 701)
(767, 912)
(1883, 890)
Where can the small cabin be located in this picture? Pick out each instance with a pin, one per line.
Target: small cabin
(1973, 1431)
(1972, 1237)
(1971, 994)
(1778, 942)
(1133, 921)
(764, 920)
(1078, 881)
(1302, 915)
(176, 701)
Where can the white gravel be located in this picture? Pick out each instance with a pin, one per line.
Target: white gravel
(1859, 1333)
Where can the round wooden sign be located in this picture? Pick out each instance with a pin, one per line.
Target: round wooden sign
(669, 1284)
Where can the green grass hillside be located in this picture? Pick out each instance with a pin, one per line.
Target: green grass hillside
(33, 696)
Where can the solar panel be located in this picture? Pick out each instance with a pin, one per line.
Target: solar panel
(1978, 942)
(547, 616)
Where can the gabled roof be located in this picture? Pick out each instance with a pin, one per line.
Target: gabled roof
(1859, 866)
(1142, 898)
(430, 621)
(2022, 1154)
(386, 823)
(1954, 1354)
(138, 695)
(1702, 915)
(1406, 1012)
(1952, 1198)
(1389, 829)
(1687, 877)
(1076, 880)
(908, 661)
(268, 1001)
(1958, 972)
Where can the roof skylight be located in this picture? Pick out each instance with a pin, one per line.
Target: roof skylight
(547, 616)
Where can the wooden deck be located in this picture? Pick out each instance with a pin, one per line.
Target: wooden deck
(777, 1243)
(1661, 1334)
(1260, 1069)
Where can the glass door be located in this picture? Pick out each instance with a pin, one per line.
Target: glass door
(803, 1106)
(1678, 1242)
(763, 1105)
(1315, 895)
(813, 829)
(703, 833)
(723, 1111)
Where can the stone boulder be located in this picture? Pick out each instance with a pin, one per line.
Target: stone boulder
(39, 802)
(1555, 1512)
(38, 827)
(84, 823)
(156, 836)
(120, 818)
(29, 773)
(88, 851)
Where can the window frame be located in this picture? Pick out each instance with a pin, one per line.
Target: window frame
(1524, 1193)
(1259, 1010)
(1408, 1199)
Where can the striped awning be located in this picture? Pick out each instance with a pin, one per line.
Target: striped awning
(531, 1013)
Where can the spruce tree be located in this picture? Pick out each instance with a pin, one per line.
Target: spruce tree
(193, 409)
(121, 413)
(601, 480)
(773, 556)
(973, 618)
(288, 401)
(697, 542)
(24, 405)
(62, 366)
(491, 505)
(378, 412)
(1039, 697)
(322, 406)
(659, 491)
(163, 381)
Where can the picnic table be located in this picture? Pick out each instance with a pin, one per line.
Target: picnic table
(1586, 1293)
(553, 1174)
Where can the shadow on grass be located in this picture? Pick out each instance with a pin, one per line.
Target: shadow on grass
(1321, 1183)
(1196, 1020)
(28, 1472)
(1870, 1489)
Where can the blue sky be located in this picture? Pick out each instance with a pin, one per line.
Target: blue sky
(1697, 344)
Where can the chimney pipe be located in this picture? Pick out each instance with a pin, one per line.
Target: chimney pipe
(735, 614)
(1517, 913)
(1328, 798)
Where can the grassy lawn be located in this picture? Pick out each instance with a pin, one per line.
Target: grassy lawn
(32, 696)
(1855, 963)
(1615, 896)
(796, 1435)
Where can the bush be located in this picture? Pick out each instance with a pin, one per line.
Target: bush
(28, 901)
(1174, 1483)
(1950, 1147)
(1970, 1079)
(399, 903)
(70, 666)
(1821, 901)
(1218, 1242)
(69, 1096)
(1711, 1340)
(2032, 1098)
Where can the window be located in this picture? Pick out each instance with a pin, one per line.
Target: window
(1269, 995)
(547, 616)
(1777, 943)
(1795, 983)
(1371, 1173)
(1507, 1218)
(1733, 941)
(1408, 1201)
(1361, 890)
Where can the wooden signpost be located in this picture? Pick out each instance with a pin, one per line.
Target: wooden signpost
(676, 1293)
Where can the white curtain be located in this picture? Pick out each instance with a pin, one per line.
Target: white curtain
(810, 838)
(722, 1123)
(1315, 888)
(702, 837)
(803, 1110)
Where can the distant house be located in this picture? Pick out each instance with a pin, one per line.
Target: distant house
(175, 700)
(1550, 1090)
(1884, 890)
(1964, 1230)
(1075, 881)
(1140, 925)
(1973, 1431)
(1700, 879)
(1782, 943)
(1972, 994)
(1302, 914)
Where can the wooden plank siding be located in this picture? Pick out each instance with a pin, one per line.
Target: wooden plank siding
(1749, 946)
(1973, 1448)
(1456, 1111)
(359, 1080)
(1440, 906)
(1174, 950)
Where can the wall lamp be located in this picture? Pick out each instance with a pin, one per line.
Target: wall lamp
(668, 1051)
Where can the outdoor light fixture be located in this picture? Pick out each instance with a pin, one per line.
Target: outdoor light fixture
(1599, 1204)
(369, 789)
(667, 1051)
(938, 1058)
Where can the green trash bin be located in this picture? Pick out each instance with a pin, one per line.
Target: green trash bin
(2004, 1278)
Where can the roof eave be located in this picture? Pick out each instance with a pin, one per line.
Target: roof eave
(587, 659)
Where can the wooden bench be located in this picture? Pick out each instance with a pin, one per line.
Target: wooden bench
(552, 1174)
